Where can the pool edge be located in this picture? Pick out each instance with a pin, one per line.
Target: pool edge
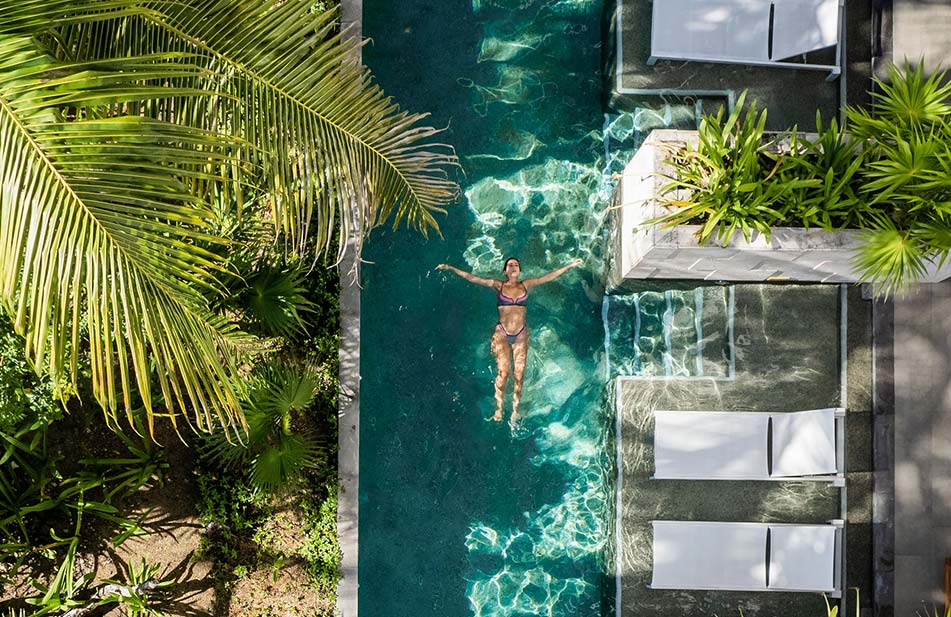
(348, 413)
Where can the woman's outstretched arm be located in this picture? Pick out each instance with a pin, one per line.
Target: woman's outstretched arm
(472, 278)
(551, 276)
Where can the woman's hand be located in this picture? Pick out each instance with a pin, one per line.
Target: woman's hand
(575, 262)
(472, 278)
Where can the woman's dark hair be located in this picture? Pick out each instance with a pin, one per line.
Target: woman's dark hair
(505, 264)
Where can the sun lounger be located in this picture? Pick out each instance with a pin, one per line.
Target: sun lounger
(748, 556)
(743, 445)
(756, 32)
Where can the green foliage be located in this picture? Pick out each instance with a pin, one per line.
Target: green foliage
(38, 499)
(907, 140)
(888, 173)
(291, 403)
(905, 103)
(134, 597)
(124, 123)
(228, 505)
(25, 398)
(59, 594)
(830, 199)
(321, 548)
(729, 182)
(274, 299)
(276, 448)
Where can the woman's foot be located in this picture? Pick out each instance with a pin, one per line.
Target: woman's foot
(513, 420)
(498, 415)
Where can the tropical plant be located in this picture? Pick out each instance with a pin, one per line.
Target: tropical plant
(274, 300)
(124, 122)
(831, 163)
(888, 172)
(38, 498)
(275, 449)
(729, 182)
(60, 593)
(907, 139)
(134, 593)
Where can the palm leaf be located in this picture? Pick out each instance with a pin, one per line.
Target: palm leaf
(335, 151)
(98, 222)
(112, 116)
(284, 460)
(890, 259)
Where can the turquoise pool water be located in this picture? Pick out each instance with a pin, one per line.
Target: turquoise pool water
(459, 515)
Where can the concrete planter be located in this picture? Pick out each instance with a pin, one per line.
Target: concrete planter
(643, 251)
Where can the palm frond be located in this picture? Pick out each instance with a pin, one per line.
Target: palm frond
(98, 222)
(275, 300)
(274, 449)
(909, 100)
(121, 119)
(333, 148)
(337, 144)
(890, 259)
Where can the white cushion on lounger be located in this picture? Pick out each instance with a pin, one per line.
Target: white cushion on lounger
(801, 26)
(704, 555)
(804, 443)
(741, 31)
(802, 557)
(725, 30)
(710, 444)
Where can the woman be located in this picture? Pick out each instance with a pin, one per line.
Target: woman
(510, 335)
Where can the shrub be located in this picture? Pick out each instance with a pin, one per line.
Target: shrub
(278, 445)
(321, 548)
(25, 398)
(730, 181)
(907, 179)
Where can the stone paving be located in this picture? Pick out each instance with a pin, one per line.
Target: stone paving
(922, 480)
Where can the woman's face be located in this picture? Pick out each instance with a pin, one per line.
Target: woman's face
(512, 268)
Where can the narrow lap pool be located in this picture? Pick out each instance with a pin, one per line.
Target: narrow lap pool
(458, 516)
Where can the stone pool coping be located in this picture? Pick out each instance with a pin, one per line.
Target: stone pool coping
(348, 414)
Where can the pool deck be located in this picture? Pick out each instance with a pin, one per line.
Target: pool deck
(791, 353)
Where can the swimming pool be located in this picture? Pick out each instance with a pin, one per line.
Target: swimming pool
(458, 515)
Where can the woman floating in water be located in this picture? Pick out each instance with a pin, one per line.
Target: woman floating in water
(510, 335)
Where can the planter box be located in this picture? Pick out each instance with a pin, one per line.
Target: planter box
(643, 251)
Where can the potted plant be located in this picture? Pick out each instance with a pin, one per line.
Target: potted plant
(870, 201)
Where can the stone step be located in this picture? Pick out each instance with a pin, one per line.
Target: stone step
(670, 334)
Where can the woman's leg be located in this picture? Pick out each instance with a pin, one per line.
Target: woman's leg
(520, 357)
(500, 349)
